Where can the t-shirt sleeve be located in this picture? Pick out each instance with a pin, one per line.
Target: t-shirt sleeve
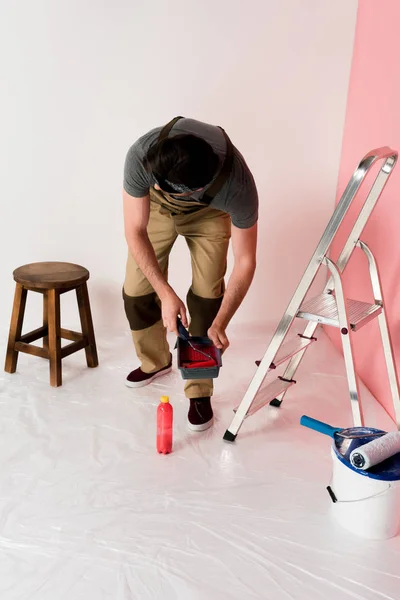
(136, 178)
(243, 206)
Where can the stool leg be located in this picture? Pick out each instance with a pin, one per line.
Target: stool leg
(17, 320)
(53, 316)
(87, 324)
(45, 319)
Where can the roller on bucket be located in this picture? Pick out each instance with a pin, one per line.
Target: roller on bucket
(346, 440)
(375, 452)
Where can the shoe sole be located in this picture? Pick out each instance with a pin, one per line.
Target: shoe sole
(202, 427)
(139, 384)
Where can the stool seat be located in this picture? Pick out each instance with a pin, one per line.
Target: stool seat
(51, 275)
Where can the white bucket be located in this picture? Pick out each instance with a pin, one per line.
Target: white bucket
(365, 504)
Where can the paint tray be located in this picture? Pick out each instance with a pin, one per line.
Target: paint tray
(188, 356)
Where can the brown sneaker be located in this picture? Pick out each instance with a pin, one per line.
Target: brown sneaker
(200, 416)
(139, 378)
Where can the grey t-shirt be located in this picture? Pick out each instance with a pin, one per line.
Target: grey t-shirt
(238, 197)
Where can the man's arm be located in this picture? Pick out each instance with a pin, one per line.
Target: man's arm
(136, 219)
(244, 245)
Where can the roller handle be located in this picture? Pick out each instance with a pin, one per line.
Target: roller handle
(319, 426)
(183, 332)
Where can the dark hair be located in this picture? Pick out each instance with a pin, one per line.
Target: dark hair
(182, 159)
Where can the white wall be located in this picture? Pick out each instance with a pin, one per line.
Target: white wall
(81, 80)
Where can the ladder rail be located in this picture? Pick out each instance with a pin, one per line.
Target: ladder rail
(365, 212)
(373, 271)
(390, 158)
(348, 352)
(387, 343)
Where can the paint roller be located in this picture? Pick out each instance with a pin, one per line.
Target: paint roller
(206, 362)
(374, 452)
(346, 439)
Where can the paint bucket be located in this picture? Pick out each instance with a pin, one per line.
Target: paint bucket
(367, 503)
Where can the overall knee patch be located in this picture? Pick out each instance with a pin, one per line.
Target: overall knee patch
(142, 311)
(202, 312)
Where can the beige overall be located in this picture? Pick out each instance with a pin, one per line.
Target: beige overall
(207, 233)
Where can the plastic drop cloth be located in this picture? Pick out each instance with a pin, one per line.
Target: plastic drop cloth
(90, 511)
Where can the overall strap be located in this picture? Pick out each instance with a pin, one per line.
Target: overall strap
(165, 130)
(224, 173)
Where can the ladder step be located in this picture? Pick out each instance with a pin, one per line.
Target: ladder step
(271, 391)
(323, 309)
(290, 348)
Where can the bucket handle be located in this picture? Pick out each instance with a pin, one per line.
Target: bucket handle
(334, 498)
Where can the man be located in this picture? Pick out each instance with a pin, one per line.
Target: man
(186, 179)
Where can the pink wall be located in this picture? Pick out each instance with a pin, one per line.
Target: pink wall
(373, 120)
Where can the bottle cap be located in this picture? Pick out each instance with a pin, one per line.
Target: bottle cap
(165, 399)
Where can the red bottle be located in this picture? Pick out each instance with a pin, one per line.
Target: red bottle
(164, 426)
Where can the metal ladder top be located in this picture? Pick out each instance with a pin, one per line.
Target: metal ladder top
(354, 315)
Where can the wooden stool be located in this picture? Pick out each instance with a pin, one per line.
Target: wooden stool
(51, 279)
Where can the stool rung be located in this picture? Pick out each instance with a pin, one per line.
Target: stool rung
(31, 349)
(74, 336)
(74, 347)
(34, 335)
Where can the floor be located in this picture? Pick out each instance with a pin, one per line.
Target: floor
(89, 510)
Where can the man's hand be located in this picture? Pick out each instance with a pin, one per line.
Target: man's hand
(172, 307)
(217, 335)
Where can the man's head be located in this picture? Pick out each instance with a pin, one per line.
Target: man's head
(182, 164)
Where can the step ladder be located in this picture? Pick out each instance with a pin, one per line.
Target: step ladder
(329, 308)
